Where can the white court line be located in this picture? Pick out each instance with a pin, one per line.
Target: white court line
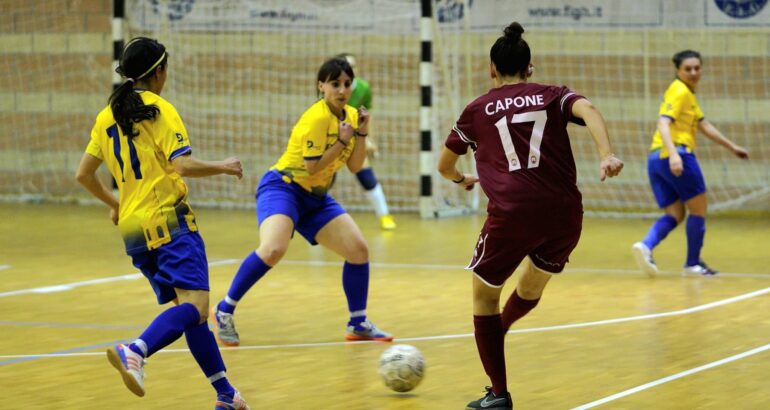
(73, 285)
(133, 276)
(673, 377)
(634, 272)
(3, 267)
(457, 336)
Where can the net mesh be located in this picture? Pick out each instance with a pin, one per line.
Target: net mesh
(243, 71)
(240, 88)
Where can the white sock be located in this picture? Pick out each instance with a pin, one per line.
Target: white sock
(377, 199)
(142, 346)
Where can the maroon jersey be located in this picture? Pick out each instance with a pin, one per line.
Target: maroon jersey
(522, 149)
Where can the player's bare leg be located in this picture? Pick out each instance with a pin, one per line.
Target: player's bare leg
(275, 234)
(342, 236)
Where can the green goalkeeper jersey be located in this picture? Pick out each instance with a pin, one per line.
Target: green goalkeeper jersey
(362, 94)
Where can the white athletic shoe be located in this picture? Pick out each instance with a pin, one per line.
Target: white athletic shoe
(130, 365)
(701, 269)
(643, 256)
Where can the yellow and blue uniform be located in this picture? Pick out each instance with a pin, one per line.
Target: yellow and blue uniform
(316, 130)
(680, 106)
(154, 213)
(289, 189)
(153, 197)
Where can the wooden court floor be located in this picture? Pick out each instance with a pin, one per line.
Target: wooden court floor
(603, 336)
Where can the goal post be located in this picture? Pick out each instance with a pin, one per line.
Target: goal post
(241, 72)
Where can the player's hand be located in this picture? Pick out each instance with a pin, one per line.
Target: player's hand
(363, 120)
(346, 132)
(232, 166)
(675, 164)
(371, 148)
(469, 180)
(610, 167)
(114, 215)
(740, 152)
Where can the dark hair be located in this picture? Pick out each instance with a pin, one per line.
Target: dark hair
(510, 53)
(332, 69)
(683, 55)
(140, 59)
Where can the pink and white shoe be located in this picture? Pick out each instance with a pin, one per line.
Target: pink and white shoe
(235, 403)
(130, 365)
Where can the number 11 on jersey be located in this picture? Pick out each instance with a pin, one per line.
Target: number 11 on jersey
(113, 133)
(533, 158)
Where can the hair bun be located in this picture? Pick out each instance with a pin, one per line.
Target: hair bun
(513, 31)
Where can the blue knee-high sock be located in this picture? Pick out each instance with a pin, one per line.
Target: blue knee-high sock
(696, 230)
(355, 282)
(252, 269)
(367, 179)
(659, 230)
(204, 349)
(166, 328)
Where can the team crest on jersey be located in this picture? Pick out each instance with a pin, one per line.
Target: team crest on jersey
(741, 9)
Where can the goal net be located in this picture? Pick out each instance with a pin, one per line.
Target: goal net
(618, 54)
(243, 71)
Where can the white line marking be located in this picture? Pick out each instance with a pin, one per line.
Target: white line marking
(3, 267)
(70, 286)
(132, 276)
(457, 336)
(73, 285)
(673, 377)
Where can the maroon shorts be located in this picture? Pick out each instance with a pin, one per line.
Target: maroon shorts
(547, 238)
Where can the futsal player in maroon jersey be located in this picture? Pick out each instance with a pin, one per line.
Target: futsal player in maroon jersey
(518, 132)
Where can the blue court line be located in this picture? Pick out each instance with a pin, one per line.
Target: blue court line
(71, 325)
(73, 350)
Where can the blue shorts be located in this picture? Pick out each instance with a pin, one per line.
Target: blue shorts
(668, 188)
(180, 263)
(310, 213)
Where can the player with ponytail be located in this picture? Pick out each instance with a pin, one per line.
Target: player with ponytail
(143, 141)
(518, 132)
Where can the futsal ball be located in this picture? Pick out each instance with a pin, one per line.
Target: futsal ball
(402, 367)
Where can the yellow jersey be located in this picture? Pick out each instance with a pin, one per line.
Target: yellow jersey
(314, 133)
(153, 197)
(681, 106)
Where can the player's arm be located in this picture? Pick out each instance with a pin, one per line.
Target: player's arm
(709, 130)
(610, 165)
(332, 153)
(447, 167)
(86, 176)
(358, 156)
(188, 166)
(173, 141)
(674, 159)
